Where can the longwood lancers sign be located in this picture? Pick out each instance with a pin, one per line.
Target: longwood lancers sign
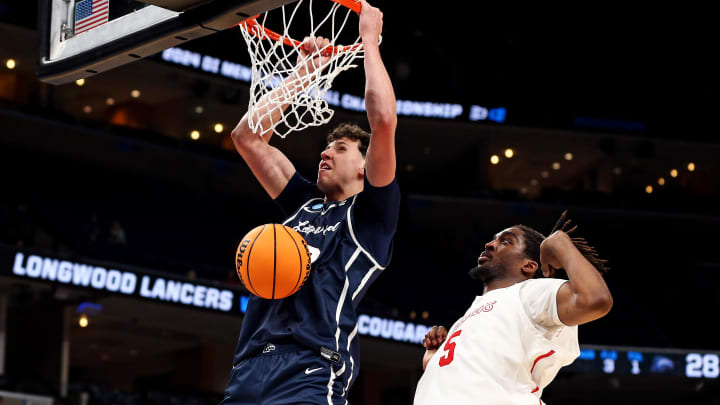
(163, 288)
(124, 282)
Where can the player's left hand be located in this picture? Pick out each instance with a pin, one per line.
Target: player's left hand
(434, 337)
(432, 341)
(551, 252)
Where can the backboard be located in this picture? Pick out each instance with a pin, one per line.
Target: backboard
(81, 38)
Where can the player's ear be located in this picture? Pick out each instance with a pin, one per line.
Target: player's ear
(529, 267)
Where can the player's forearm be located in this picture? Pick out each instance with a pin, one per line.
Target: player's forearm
(589, 288)
(380, 100)
(267, 111)
(380, 105)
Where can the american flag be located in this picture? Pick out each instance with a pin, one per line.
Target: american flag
(90, 14)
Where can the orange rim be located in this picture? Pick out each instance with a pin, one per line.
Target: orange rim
(251, 22)
(351, 4)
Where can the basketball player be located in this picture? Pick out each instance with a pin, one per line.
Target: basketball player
(304, 349)
(515, 337)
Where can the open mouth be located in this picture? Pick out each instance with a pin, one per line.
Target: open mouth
(325, 166)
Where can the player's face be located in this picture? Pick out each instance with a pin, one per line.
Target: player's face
(341, 164)
(502, 255)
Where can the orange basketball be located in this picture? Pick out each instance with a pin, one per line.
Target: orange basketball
(273, 261)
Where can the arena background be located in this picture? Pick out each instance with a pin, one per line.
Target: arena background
(93, 176)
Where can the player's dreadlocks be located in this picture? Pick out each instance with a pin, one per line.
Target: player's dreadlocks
(581, 244)
(533, 239)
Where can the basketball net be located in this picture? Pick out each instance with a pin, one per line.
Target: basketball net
(278, 77)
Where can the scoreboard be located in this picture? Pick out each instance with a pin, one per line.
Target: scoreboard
(631, 361)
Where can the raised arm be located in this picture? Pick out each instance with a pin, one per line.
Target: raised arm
(379, 101)
(585, 297)
(270, 166)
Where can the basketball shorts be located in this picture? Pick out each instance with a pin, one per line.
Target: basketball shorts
(285, 375)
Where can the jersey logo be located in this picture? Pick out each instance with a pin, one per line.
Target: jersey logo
(268, 348)
(308, 371)
(319, 207)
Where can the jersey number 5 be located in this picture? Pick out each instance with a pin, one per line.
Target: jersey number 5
(450, 349)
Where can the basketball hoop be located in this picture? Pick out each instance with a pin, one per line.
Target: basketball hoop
(276, 76)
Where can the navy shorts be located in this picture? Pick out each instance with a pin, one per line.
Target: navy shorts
(287, 374)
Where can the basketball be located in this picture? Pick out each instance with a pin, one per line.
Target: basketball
(273, 261)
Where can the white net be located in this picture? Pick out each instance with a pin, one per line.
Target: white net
(287, 85)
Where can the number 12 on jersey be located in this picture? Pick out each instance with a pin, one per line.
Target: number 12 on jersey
(450, 349)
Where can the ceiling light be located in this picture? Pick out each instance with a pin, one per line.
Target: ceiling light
(673, 173)
(691, 166)
(109, 101)
(661, 181)
(494, 159)
(199, 109)
(218, 127)
(648, 189)
(568, 156)
(80, 82)
(544, 174)
(10, 64)
(195, 135)
(87, 109)
(556, 166)
(135, 93)
(83, 321)
(509, 153)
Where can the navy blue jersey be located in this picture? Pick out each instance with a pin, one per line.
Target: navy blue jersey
(350, 244)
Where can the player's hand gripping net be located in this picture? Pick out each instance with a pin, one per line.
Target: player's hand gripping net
(290, 78)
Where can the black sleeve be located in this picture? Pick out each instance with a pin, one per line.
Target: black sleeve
(375, 218)
(296, 192)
